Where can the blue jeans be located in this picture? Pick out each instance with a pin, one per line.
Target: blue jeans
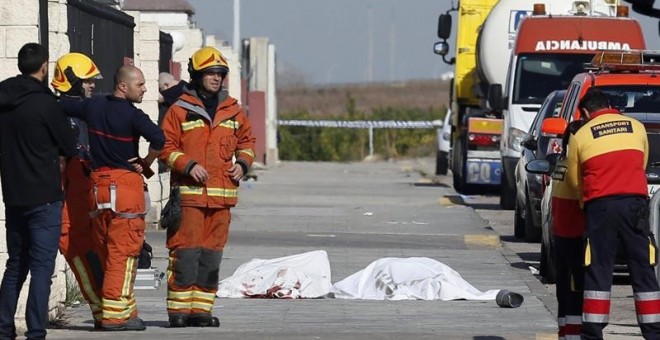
(33, 235)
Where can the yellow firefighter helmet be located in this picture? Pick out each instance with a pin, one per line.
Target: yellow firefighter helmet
(207, 59)
(82, 67)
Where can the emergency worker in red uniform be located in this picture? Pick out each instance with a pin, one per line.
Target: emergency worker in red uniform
(204, 130)
(568, 223)
(120, 200)
(75, 74)
(606, 161)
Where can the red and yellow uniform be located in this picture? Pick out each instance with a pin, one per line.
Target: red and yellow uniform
(193, 136)
(607, 159)
(568, 223)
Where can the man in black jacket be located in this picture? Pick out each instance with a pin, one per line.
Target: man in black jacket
(35, 140)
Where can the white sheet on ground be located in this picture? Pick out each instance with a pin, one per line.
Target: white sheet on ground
(304, 275)
(414, 278)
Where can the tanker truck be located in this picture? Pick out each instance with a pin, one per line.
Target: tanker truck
(509, 55)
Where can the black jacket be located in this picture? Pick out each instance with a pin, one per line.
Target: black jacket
(34, 132)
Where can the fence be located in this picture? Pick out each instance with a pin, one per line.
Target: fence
(361, 124)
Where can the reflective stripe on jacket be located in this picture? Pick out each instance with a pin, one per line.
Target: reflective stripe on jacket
(192, 138)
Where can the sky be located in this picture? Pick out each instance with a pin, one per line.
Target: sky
(328, 41)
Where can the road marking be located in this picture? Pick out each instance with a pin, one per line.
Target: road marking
(425, 181)
(450, 200)
(482, 240)
(321, 235)
(546, 336)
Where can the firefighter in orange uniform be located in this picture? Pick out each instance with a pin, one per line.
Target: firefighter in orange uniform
(75, 74)
(606, 162)
(568, 224)
(120, 200)
(204, 130)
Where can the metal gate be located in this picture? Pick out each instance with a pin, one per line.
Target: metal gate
(165, 60)
(103, 33)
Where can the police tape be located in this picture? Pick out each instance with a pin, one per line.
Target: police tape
(360, 124)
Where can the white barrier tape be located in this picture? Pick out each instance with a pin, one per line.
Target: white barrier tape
(360, 124)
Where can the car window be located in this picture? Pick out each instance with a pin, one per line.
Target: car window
(535, 127)
(571, 102)
(634, 98)
(654, 147)
(538, 74)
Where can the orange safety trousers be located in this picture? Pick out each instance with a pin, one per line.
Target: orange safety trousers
(118, 235)
(76, 238)
(194, 260)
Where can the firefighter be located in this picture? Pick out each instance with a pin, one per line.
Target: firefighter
(120, 200)
(75, 74)
(204, 130)
(606, 162)
(568, 223)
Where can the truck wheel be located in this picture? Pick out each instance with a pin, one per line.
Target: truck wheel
(532, 233)
(457, 167)
(459, 177)
(441, 163)
(507, 194)
(518, 222)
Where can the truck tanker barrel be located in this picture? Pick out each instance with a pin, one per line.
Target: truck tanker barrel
(497, 35)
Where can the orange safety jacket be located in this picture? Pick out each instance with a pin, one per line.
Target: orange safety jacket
(568, 218)
(192, 138)
(608, 155)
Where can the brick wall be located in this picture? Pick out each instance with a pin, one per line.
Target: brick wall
(19, 24)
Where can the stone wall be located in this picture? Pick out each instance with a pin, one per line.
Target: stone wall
(147, 53)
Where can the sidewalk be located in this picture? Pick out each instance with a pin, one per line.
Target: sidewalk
(358, 213)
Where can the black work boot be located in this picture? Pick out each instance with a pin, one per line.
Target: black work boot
(203, 321)
(178, 321)
(134, 324)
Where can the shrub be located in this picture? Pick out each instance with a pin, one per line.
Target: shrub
(299, 143)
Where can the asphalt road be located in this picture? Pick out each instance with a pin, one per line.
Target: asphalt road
(357, 213)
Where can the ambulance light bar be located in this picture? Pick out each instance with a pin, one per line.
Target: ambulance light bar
(635, 60)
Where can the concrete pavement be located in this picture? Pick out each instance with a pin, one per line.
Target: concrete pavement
(357, 212)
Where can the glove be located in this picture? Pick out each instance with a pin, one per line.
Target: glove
(146, 170)
(76, 83)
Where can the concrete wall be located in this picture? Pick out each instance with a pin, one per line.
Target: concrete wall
(19, 24)
(166, 19)
(262, 79)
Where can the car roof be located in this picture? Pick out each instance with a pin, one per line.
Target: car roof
(620, 78)
(646, 118)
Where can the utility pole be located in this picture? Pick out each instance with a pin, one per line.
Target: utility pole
(236, 43)
(392, 44)
(370, 65)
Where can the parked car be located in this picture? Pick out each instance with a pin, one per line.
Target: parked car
(651, 121)
(444, 145)
(635, 94)
(530, 187)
